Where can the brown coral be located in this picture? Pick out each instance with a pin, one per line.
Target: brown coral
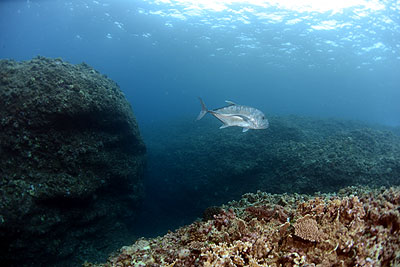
(267, 213)
(307, 229)
(360, 230)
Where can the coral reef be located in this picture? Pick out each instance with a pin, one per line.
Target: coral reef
(70, 156)
(356, 227)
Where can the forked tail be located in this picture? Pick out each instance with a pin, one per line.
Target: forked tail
(203, 111)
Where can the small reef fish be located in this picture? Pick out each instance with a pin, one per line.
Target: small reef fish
(236, 115)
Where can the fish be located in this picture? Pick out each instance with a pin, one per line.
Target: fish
(236, 115)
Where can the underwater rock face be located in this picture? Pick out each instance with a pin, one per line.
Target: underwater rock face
(71, 159)
(210, 166)
(356, 227)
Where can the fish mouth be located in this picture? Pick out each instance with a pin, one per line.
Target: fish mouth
(259, 127)
(263, 126)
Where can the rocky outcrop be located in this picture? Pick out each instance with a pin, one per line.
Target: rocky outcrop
(209, 166)
(70, 156)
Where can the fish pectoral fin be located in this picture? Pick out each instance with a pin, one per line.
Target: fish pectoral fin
(243, 117)
(230, 103)
(245, 130)
(224, 126)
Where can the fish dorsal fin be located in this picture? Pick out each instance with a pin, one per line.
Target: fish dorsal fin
(230, 103)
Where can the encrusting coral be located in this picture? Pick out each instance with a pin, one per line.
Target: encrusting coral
(356, 227)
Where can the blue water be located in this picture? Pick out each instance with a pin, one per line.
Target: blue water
(298, 57)
(341, 60)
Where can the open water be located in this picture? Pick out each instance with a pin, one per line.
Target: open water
(313, 58)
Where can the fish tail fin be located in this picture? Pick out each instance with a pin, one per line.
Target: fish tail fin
(203, 111)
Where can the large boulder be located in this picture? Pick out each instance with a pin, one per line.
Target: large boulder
(71, 160)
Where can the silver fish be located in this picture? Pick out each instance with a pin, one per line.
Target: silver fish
(236, 115)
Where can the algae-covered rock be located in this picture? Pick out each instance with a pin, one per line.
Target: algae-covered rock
(70, 155)
(208, 165)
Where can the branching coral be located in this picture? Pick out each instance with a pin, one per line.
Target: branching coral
(328, 230)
